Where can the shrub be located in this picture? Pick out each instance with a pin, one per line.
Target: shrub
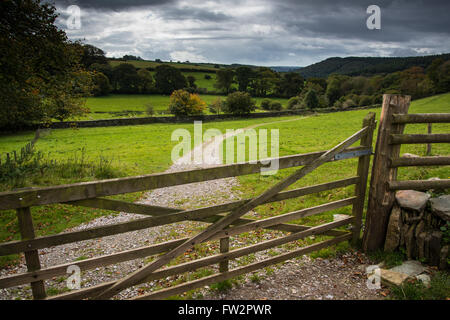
(216, 106)
(311, 101)
(276, 106)
(183, 103)
(349, 103)
(365, 101)
(294, 103)
(265, 104)
(208, 77)
(239, 103)
(149, 109)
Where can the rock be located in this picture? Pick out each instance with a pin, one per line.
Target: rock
(339, 217)
(410, 155)
(425, 279)
(392, 278)
(441, 206)
(443, 265)
(411, 268)
(393, 230)
(412, 200)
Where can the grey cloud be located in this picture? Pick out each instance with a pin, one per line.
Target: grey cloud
(311, 29)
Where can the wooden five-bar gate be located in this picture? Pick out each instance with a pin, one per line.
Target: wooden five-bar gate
(225, 220)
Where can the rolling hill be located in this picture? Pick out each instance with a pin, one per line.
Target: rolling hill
(355, 66)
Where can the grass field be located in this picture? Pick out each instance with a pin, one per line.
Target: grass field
(152, 64)
(124, 106)
(143, 149)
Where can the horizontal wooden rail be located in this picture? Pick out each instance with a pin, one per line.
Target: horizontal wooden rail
(419, 184)
(421, 118)
(102, 188)
(419, 138)
(285, 217)
(207, 261)
(139, 224)
(420, 161)
(165, 293)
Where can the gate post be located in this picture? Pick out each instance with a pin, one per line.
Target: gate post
(31, 257)
(381, 198)
(363, 172)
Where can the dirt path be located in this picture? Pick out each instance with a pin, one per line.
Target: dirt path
(298, 279)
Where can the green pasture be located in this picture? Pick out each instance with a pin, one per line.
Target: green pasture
(143, 149)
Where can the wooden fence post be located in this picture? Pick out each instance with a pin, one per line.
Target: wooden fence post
(224, 248)
(429, 145)
(31, 257)
(381, 198)
(363, 172)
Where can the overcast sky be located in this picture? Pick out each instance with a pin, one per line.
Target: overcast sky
(260, 32)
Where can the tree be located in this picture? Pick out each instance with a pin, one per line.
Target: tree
(91, 55)
(264, 82)
(239, 103)
(224, 80)
(126, 79)
(106, 69)
(183, 103)
(290, 84)
(243, 77)
(102, 87)
(311, 101)
(41, 76)
(265, 104)
(168, 79)
(191, 82)
(146, 83)
(333, 92)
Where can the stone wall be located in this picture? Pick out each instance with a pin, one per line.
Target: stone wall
(418, 225)
(188, 119)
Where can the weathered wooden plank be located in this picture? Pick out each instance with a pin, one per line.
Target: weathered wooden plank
(419, 184)
(31, 256)
(226, 221)
(87, 264)
(95, 189)
(264, 223)
(165, 293)
(420, 161)
(421, 118)
(363, 172)
(203, 214)
(206, 261)
(380, 197)
(224, 248)
(419, 138)
(123, 206)
(127, 255)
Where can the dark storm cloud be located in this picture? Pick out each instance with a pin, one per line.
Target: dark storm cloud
(112, 4)
(261, 31)
(401, 20)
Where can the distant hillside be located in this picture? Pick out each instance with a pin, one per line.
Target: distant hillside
(354, 66)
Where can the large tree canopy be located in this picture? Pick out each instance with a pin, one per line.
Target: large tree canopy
(40, 73)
